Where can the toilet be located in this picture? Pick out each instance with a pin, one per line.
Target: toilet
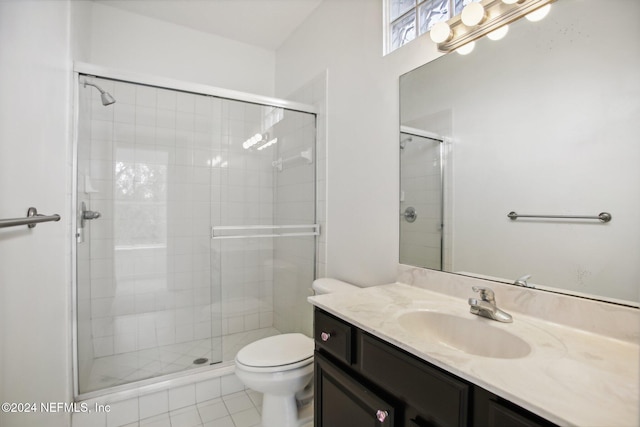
(281, 368)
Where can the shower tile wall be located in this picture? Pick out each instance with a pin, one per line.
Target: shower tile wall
(163, 166)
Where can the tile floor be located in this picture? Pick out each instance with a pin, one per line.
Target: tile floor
(240, 409)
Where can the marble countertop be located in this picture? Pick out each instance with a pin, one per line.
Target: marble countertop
(571, 377)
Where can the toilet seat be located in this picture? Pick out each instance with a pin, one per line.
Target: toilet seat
(277, 353)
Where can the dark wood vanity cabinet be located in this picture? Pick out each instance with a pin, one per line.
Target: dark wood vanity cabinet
(362, 381)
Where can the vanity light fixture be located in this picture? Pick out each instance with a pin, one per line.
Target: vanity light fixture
(499, 33)
(441, 32)
(539, 14)
(466, 49)
(482, 18)
(473, 14)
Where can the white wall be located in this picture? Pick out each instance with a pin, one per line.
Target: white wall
(345, 38)
(125, 40)
(34, 171)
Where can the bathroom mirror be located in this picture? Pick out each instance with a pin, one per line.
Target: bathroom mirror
(542, 122)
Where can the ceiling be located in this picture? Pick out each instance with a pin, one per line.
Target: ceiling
(263, 23)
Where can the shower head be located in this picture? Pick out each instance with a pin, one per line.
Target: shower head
(105, 96)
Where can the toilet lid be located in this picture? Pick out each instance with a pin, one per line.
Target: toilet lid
(277, 350)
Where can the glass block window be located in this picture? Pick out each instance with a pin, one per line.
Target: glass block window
(408, 19)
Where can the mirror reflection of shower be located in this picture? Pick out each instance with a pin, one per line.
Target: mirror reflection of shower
(421, 198)
(105, 96)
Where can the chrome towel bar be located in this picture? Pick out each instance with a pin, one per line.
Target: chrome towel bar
(215, 231)
(602, 216)
(33, 218)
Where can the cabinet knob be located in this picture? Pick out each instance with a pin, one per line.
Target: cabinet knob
(325, 336)
(381, 415)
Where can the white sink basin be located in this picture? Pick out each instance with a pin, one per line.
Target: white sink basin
(475, 335)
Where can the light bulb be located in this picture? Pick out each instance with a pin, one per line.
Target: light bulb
(499, 33)
(539, 14)
(440, 32)
(511, 1)
(473, 14)
(466, 49)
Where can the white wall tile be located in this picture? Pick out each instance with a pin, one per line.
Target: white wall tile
(103, 346)
(124, 113)
(124, 93)
(185, 102)
(124, 343)
(166, 99)
(146, 96)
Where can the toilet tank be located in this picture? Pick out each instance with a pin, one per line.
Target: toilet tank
(327, 285)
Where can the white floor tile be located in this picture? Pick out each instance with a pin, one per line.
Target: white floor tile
(237, 402)
(222, 422)
(240, 409)
(89, 419)
(161, 420)
(256, 398)
(212, 410)
(247, 418)
(186, 417)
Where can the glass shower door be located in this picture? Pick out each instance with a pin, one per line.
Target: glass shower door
(144, 294)
(263, 237)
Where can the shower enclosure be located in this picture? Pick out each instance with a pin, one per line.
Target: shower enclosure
(195, 229)
(421, 199)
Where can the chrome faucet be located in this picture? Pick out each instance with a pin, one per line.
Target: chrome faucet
(522, 281)
(486, 306)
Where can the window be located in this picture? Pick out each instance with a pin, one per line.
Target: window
(408, 19)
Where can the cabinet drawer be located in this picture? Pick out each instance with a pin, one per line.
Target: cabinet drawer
(438, 398)
(342, 401)
(333, 336)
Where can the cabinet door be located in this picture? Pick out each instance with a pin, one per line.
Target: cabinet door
(439, 399)
(341, 401)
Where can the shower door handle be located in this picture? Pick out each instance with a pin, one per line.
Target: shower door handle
(410, 214)
(90, 215)
(87, 215)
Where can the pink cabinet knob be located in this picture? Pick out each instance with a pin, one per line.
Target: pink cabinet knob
(325, 336)
(381, 415)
